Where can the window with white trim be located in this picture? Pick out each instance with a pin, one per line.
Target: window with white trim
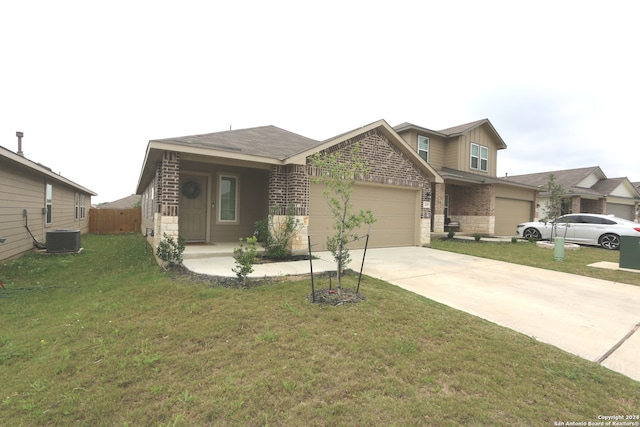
(49, 203)
(83, 207)
(479, 157)
(423, 147)
(228, 198)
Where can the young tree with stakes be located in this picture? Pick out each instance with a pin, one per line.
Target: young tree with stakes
(339, 176)
(553, 209)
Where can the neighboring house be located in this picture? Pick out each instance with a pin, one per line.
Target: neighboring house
(34, 196)
(213, 188)
(128, 202)
(466, 158)
(587, 190)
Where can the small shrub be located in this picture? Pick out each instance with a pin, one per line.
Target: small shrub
(451, 234)
(477, 236)
(277, 235)
(170, 251)
(245, 256)
(514, 239)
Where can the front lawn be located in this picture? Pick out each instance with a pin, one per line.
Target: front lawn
(106, 338)
(526, 253)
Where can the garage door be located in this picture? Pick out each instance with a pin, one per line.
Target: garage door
(620, 210)
(395, 209)
(509, 213)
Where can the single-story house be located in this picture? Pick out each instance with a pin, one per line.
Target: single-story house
(586, 190)
(35, 200)
(471, 195)
(212, 188)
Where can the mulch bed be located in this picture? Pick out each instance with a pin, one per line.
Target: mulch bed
(336, 297)
(325, 296)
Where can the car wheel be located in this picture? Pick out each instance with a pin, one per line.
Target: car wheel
(610, 241)
(531, 233)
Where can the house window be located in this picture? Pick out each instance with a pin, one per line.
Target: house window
(423, 147)
(228, 198)
(83, 207)
(479, 157)
(76, 205)
(49, 202)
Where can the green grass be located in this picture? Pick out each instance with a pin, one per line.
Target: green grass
(525, 253)
(106, 338)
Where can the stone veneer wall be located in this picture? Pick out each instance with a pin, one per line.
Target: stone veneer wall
(474, 207)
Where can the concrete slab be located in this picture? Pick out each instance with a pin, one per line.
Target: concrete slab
(583, 316)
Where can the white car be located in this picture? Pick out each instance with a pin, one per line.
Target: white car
(586, 229)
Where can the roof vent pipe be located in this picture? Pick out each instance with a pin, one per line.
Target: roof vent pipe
(20, 135)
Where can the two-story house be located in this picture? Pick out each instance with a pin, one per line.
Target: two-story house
(466, 157)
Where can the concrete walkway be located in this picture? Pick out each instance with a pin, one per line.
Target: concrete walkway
(594, 319)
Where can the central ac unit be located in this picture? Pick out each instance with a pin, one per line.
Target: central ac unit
(63, 241)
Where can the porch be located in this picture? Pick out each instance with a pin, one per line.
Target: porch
(209, 250)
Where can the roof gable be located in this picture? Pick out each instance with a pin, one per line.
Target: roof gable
(454, 131)
(567, 178)
(388, 132)
(581, 181)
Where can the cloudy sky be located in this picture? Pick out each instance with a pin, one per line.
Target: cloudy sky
(90, 83)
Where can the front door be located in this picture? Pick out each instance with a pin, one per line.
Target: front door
(193, 207)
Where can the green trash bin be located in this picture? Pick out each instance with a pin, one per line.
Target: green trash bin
(630, 252)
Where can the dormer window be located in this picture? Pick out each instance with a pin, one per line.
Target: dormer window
(479, 157)
(423, 147)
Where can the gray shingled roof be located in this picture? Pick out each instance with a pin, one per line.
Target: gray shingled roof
(567, 178)
(124, 203)
(462, 128)
(264, 141)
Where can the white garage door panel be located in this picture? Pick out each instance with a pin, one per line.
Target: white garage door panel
(395, 210)
(509, 213)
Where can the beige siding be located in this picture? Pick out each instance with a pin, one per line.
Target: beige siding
(437, 152)
(21, 189)
(480, 136)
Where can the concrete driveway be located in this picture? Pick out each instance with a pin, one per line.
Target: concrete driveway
(594, 319)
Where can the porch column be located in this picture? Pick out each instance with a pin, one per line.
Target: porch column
(438, 208)
(425, 216)
(167, 196)
(289, 188)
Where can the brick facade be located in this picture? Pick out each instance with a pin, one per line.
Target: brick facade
(387, 165)
(474, 207)
(168, 190)
(289, 186)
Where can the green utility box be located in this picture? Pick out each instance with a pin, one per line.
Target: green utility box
(630, 252)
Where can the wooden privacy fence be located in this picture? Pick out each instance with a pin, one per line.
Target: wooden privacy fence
(114, 221)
